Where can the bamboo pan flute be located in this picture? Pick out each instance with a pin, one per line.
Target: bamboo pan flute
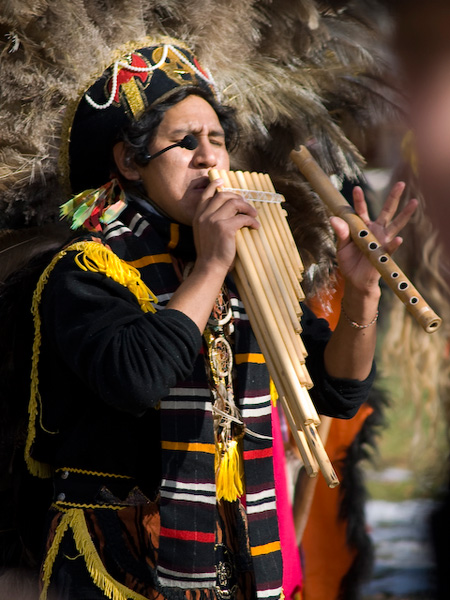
(366, 241)
(268, 271)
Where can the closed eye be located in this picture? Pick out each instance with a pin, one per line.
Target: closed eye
(216, 141)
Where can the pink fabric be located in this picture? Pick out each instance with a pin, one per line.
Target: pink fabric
(292, 571)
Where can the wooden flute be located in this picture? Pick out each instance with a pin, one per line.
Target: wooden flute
(267, 274)
(366, 241)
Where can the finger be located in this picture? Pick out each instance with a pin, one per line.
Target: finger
(208, 193)
(341, 230)
(212, 189)
(391, 204)
(235, 215)
(402, 218)
(360, 204)
(226, 214)
(393, 245)
(243, 220)
(212, 199)
(229, 204)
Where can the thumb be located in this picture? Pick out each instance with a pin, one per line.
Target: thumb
(341, 230)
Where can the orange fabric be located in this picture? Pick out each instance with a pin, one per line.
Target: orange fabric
(326, 556)
(327, 304)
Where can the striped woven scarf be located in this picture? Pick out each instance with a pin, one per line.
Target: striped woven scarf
(188, 502)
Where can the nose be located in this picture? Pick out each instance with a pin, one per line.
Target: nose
(205, 155)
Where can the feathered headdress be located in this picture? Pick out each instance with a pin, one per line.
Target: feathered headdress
(297, 72)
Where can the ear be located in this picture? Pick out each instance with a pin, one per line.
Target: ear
(126, 167)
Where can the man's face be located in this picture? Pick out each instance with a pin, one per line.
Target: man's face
(176, 180)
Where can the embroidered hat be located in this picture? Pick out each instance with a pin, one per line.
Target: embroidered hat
(133, 83)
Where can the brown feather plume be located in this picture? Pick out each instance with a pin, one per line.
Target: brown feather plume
(295, 71)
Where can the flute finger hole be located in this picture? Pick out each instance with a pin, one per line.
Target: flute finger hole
(403, 285)
(394, 274)
(414, 300)
(373, 246)
(383, 258)
(363, 233)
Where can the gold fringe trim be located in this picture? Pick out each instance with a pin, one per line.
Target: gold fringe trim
(95, 257)
(74, 519)
(35, 467)
(63, 506)
(52, 553)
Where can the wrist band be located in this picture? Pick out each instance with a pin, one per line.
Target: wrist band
(354, 324)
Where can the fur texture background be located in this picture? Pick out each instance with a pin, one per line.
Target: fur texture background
(299, 71)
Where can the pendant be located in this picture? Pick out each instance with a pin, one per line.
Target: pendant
(221, 357)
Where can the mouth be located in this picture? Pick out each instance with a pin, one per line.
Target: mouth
(200, 183)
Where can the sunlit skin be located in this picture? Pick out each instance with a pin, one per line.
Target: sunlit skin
(177, 181)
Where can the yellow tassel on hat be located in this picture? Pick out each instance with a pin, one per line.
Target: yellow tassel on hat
(229, 471)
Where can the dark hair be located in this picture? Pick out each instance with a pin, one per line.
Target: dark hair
(138, 135)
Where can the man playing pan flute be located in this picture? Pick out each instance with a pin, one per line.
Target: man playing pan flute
(140, 336)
